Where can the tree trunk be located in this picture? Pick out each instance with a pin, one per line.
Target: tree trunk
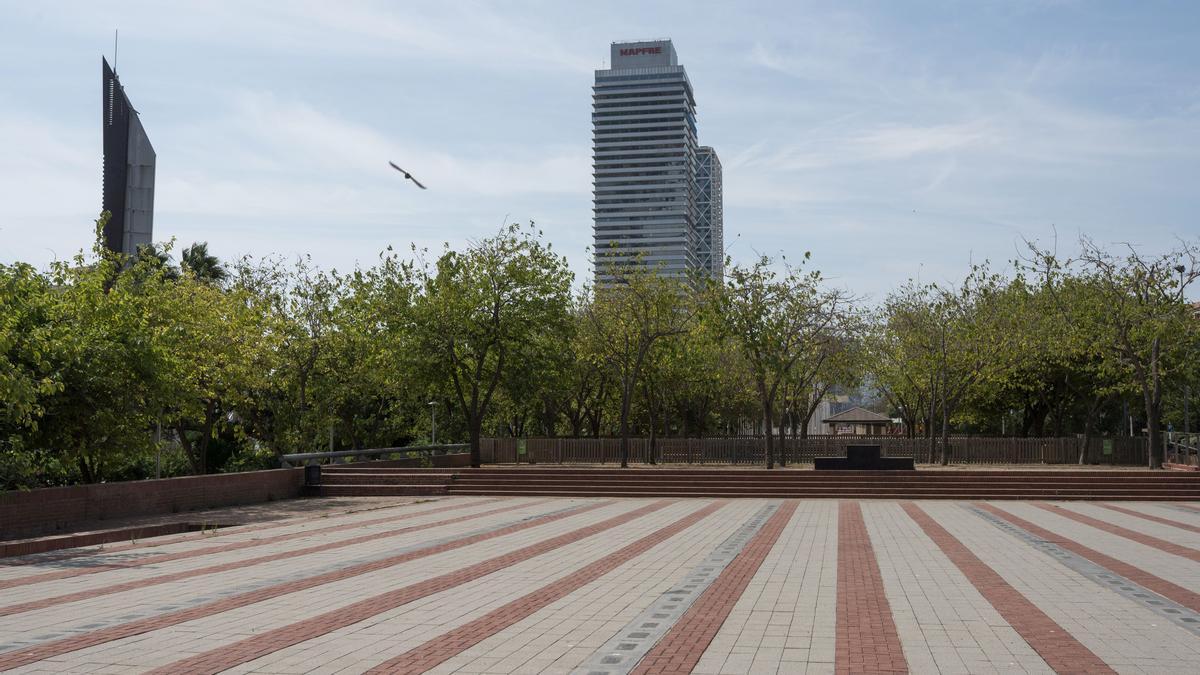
(929, 429)
(652, 445)
(652, 412)
(945, 434)
(1153, 397)
(626, 394)
(783, 439)
(1089, 421)
(1156, 451)
(475, 423)
(194, 459)
(768, 435)
(85, 470)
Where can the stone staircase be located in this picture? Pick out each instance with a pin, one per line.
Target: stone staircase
(785, 483)
(360, 481)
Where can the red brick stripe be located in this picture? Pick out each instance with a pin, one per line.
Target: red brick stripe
(135, 584)
(1133, 535)
(867, 641)
(48, 650)
(1052, 642)
(681, 648)
(151, 541)
(228, 656)
(220, 548)
(1151, 518)
(1186, 597)
(444, 647)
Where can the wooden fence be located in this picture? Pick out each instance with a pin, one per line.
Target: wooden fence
(1124, 450)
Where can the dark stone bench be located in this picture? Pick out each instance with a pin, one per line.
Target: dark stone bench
(864, 458)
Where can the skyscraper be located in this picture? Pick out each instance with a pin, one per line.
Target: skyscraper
(710, 218)
(128, 191)
(645, 161)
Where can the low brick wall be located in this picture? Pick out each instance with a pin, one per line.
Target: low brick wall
(46, 511)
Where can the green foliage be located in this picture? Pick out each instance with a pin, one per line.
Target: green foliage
(27, 343)
(779, 321)
(234, 363)
(490, 311)
(626, 321)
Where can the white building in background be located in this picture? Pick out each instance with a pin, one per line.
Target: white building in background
(649, 204)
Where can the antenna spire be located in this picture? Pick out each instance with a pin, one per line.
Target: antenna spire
(116, 35)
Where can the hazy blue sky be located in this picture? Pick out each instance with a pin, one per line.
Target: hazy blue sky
(889, 138)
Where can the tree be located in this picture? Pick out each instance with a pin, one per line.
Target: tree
(27, 344)
(1135, 307)
(484, 310)
(588, 382)
(836, 362)
(215, 350)
(365, 379)
(106, 358)
(198, 262)
(776, 319)
(627, 319)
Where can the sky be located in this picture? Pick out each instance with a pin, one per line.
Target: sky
(892, 140)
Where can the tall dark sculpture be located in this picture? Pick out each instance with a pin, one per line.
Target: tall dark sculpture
(128, 171)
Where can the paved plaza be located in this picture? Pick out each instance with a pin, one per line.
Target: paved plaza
(560, 585)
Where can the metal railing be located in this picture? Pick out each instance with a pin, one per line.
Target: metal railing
(1182, 449)
(286, 461)
(749, 450)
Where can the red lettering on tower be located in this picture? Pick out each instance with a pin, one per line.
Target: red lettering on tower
(639, 51)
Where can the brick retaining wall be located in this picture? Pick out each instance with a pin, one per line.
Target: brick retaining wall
(45, 511)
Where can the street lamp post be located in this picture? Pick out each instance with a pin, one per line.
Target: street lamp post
(1187, 388)
(433, 422)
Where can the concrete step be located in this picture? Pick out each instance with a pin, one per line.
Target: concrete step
(821, 480)
(385, 479)
(762, 483)
(881, 487)
(789, 472)
(841, 489)
(819, 494)
(382, 490)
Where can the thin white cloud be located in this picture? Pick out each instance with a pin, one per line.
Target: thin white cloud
(894, 141)
(880, 139)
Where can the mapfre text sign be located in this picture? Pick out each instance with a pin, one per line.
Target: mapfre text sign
(643, 54)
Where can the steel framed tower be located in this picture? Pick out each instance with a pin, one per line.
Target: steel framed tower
(710, 217)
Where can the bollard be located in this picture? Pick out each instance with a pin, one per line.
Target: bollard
(312, 475)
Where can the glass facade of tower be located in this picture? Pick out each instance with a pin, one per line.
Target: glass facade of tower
(645, 161)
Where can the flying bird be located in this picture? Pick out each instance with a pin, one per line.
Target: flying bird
(408, 176)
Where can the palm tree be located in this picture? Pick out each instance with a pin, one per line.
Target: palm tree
(159, 257)
(197, 261)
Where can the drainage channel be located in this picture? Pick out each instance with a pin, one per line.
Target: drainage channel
(1174, 612)
(226, 590)
(621, 654)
